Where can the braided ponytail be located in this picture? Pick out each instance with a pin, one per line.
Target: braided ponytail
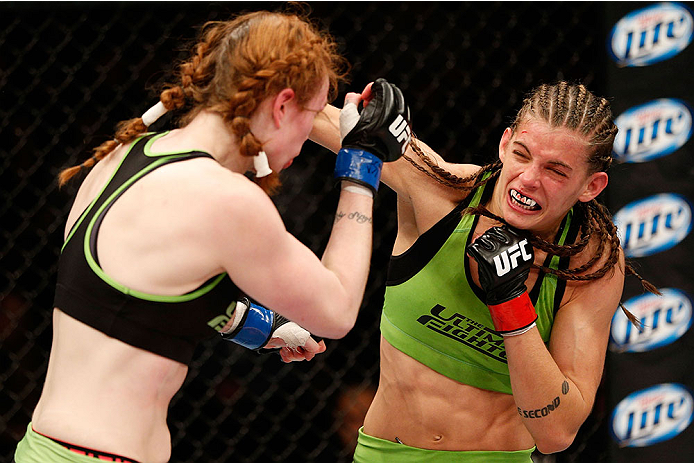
(233, 67)
(126, 131)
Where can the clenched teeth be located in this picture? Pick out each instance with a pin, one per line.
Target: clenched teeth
(524, 201)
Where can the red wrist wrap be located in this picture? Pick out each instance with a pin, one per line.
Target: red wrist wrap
(513, 315)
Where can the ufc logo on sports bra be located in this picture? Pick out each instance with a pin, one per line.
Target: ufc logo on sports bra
(401, 131)
(507, 260)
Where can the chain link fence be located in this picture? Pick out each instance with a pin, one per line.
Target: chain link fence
(70, 71)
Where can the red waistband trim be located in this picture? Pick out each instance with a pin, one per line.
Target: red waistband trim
(99, 455)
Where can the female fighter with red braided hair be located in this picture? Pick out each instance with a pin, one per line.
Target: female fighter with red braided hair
(166, 233)
(500, 290)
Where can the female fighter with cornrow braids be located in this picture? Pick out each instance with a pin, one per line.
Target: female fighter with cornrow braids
(500, 290)
(169, 242)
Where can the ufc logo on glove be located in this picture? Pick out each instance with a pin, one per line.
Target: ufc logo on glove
(508, 259)
(366, 144)
(400, 129)
(504, 258)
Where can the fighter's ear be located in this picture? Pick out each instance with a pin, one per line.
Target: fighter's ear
(594, 186)
(503, 143)
(279, 105)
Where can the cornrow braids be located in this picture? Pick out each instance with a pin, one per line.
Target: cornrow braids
(595, 116)
(578, 115)
(560, 105)
(545, 104)
(573, 106)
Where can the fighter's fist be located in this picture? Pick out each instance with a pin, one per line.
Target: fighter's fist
(504, 258)
(383, 127)
(379, 134)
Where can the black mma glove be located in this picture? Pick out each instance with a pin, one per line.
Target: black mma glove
(381, 134)
(504, 258)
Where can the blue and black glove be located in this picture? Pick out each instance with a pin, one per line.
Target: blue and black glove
(380, 134)
(254, 326)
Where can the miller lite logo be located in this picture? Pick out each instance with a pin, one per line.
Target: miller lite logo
(652, 130)
(654, 224)
(665, 319)
(400, 129)
(507, 260)
(652, 415)
(651, 34)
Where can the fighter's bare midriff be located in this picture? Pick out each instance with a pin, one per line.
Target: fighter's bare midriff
(113, 396)
(425, 409)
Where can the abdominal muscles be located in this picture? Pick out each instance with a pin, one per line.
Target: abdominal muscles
(422, 408)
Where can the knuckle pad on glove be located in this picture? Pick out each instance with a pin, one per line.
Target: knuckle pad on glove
(504, 259)
(377, 129)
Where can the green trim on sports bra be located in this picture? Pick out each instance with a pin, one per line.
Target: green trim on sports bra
(113, 283)
(96, 198)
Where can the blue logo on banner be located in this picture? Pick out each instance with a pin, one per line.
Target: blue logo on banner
(665, 319)
(652, 415)
(653, 224)
(651, 34)
(652, 130)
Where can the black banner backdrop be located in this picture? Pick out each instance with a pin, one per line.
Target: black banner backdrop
(649, 372)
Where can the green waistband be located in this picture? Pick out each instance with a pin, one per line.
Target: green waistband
(35, 448)
(374, 450)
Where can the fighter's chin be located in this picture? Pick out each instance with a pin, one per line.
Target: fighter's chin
(521, 219)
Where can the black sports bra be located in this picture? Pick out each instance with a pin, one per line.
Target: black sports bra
(170, 326)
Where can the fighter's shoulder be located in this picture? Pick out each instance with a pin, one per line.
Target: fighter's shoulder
(215, 191)
(601, 250)
(601, 263)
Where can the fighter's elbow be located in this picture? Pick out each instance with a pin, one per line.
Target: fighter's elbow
(336, 330)
(342, 330)
(340, 321)
(554, 441)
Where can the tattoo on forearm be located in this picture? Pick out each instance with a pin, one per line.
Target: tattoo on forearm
(540, 412)
(357, 216)
(549, 408)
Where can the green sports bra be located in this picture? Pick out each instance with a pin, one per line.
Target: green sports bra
(434, 313)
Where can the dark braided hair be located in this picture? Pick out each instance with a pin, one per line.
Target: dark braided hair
(233, 67)
(572, 106)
